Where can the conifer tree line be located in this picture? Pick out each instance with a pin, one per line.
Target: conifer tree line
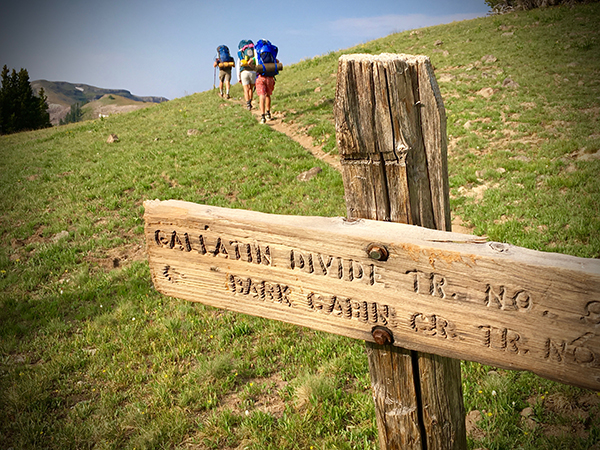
(20, 108)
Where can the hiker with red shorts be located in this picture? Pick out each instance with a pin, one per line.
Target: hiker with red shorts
(266, 69)
(264, 89)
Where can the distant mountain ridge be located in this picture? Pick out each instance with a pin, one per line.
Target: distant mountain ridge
(62, 94)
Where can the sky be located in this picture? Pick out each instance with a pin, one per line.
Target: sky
(166, 48)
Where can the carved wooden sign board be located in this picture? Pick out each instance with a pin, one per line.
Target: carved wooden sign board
(437, 292)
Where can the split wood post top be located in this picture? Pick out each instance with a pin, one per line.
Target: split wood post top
(391, 135)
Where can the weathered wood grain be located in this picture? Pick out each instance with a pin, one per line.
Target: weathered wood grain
(438, 292)
(395, 396)
(402, 171)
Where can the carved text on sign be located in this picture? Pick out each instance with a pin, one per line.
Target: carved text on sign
(259, 289)
(335, 267)
(504, 339)
(431, 284)
(219, 246)
(572, 352)
(428, 283)
(432, 325)
(347, 308)
(499, 297)
(370, 313)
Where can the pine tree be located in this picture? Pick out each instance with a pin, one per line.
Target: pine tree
(74, 115)
(20, 108)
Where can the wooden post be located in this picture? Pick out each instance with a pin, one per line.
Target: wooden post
(391, 134)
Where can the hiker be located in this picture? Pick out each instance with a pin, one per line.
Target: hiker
(224, 62)
(245, 74)
(266, 69)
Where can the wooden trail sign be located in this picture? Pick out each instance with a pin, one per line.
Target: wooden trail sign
(433, 291)
(435, 296)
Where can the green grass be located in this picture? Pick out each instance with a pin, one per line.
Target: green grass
(93, 357)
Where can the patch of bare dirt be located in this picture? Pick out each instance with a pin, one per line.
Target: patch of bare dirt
(476, 192)
(585, 154)
(473, 431)
(576, 414)
(458, 226)
(118, 257)
(270, 402)
(113, 258)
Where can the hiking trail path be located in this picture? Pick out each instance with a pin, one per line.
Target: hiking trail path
(298, 134)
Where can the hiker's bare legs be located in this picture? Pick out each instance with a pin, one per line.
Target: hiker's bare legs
(265, 103)
(248, 92)
(261, 102)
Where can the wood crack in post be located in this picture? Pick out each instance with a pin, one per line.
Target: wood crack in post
(419, 397)
(393, 137)
(427, 163)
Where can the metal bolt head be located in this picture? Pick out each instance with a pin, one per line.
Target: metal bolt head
(378, 252)
(382, 336)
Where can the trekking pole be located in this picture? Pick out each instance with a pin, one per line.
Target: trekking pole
(215, 73)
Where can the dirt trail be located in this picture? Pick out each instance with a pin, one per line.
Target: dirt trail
(294, 132)
(299, 135)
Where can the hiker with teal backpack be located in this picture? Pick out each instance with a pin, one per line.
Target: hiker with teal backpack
(245, 71)
(224, 62)
(267, 66)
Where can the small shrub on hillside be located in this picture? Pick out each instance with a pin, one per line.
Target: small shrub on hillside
(503, 6)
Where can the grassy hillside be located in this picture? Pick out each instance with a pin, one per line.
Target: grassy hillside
(66, 94)
(61, 95)
(111, 104)
(94, 357)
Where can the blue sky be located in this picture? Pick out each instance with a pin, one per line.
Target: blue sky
(166, 48)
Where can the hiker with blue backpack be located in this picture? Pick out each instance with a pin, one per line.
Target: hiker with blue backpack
(267, 66)
(245, 70)
(224, 62)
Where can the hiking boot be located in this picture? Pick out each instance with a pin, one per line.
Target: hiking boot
(227, 96)
(263, 119)
(249, 105)
(268, 115)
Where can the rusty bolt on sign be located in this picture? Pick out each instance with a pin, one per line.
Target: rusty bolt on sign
(377, 252)
(382, 336)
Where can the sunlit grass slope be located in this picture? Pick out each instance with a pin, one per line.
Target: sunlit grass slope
(93, 357)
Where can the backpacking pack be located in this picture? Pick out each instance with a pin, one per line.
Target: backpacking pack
(246, 50)
(224, 55)
(266, 53)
